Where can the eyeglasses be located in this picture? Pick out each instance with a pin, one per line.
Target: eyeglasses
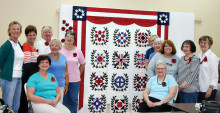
(169, 64)
(42, 62)
(160, 68)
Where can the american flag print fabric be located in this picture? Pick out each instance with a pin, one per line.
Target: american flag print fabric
(109, 39)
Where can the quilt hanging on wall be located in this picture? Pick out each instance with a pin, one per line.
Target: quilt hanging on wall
(114, 43)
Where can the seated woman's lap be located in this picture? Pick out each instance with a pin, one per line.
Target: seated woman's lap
(46, 108)
(143, 107)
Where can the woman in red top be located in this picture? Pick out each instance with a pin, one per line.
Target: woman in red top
(30, 63)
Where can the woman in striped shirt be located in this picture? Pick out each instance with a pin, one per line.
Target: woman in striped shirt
(188, 73)
(30, 63)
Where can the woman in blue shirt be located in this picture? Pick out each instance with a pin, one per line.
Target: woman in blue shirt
(43, 90)
(58, 67)
(160, 90)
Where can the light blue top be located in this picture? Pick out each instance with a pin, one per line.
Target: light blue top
(172, 65)
(157, 90)
(57, 68)
(45, 88)
(151, 56)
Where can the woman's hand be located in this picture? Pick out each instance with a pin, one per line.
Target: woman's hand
(158, 103)
(66, 89)
(208, 93)
(150, 104)
(52, 102)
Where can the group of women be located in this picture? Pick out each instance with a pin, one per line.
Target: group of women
(194, 77)
(51, 72)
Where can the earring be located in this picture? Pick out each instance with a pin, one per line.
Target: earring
(9, 33)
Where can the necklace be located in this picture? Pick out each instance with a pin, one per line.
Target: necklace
(162, 81)
(14, 42)
(31, 45)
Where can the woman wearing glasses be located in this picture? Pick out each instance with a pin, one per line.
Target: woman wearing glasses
(149, 51)
(159, 91)
(76, 65)
(167, 54)
(43, 90)
(43, 44)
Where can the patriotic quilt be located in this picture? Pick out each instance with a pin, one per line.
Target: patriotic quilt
(114, 43)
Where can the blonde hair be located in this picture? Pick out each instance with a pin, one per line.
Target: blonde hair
(56, 41)
(152, 36)
(13, 23)
(206, 38)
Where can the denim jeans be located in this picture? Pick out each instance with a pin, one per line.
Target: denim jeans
(11, 92)
(70, 100)
(188, 97)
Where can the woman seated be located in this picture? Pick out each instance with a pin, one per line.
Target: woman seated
(43, 90)
(160, 90)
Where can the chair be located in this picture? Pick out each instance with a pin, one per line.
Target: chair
(175, 97)
(30, 109)
(174, 100)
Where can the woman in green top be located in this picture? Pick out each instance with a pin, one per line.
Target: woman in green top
(11, 62)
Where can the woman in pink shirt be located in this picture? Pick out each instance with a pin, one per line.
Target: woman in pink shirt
(74, 57)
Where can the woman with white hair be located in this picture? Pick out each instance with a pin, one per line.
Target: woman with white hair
(167, 54)
(157, 46)
(58, 67)
(159, 91)
(151, 50)
(43, 44)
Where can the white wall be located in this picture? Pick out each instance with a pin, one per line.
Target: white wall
(44, 12)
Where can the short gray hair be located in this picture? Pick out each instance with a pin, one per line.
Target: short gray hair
(46, 28)
(162, 62)
(158, 40)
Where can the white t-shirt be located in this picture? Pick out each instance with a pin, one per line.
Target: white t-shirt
(18, 60)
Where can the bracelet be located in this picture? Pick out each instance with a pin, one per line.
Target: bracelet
(181, 86)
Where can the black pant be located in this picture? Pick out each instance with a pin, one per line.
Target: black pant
(28, 70)
(201, 96)
(143, 107)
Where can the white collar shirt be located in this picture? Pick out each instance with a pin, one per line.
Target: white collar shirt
(208, 74)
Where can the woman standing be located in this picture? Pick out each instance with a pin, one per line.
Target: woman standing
(208, 75)
(11, 61)
(59, 66)
(167, 54)
(188, 71)
(30, 63)
(157, 46)
(151, 50)
(74, 57)
(43, 44)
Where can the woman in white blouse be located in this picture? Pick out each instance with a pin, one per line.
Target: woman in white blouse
(208, 75)
(43, 44)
